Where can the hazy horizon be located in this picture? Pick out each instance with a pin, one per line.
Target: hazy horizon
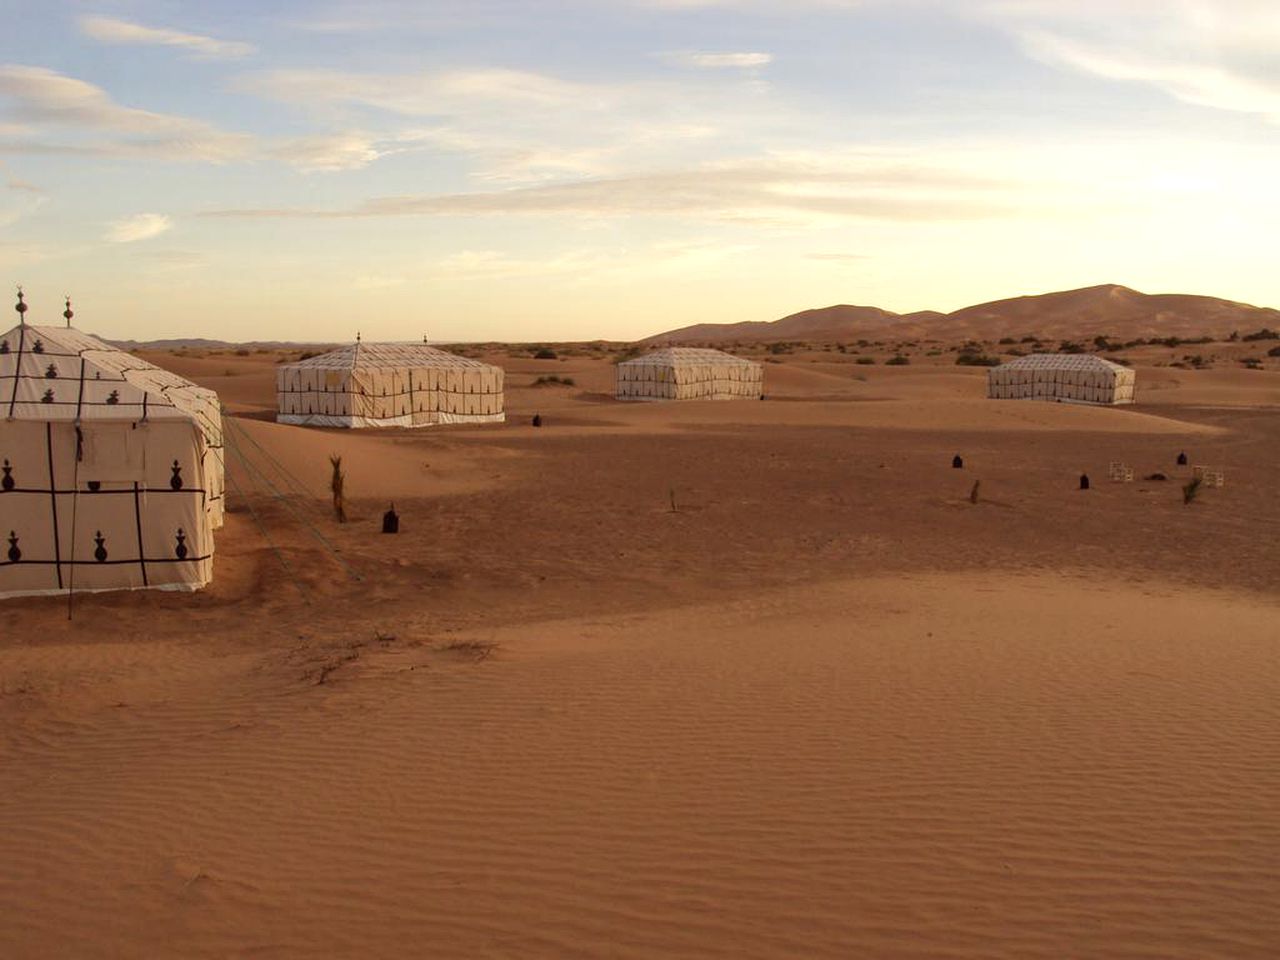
(499, 170)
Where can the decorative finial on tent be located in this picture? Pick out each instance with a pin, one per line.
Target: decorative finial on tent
(357, 336)
(21, 308)
(68, 313)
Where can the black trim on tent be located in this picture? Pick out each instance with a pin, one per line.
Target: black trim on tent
(53, 499)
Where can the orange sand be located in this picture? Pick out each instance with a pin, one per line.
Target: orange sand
(825, 708)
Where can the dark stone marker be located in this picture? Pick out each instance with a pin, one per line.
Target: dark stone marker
(957, 462)
(537, 419)
(391, 521)
(1182, 459)
(1084, 481)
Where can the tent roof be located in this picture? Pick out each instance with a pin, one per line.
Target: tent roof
(366, 356)
(1062, 361)
(166, 395)
(680, 355)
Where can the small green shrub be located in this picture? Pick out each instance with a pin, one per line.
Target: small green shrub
(898, 360)
(545, 354)
(865, 361)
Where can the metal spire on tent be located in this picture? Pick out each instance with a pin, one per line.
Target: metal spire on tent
(68, 313)
(22, 309)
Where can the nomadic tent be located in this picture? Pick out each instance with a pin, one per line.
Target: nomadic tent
(686, 373)
(388, 385)
(112, 473)
(1069, 377)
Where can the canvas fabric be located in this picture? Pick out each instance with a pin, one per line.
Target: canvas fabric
(112, 471)
(1071, 378)
(381, 385)
(687, 373)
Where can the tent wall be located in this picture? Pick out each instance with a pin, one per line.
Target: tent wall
(412, 396)
(1075, 380)
(731, 379)
(132, 512)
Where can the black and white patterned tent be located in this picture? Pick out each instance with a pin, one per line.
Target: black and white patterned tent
(111, 472)
(1065, 377)
(388, 385)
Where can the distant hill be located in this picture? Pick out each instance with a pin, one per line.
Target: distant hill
(1108, 309)
(198, 343)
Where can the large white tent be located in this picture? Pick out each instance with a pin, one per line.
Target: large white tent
(112, 468)
(688, 373)
(388, 385)
(1070, 377)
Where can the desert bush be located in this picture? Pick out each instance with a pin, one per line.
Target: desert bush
(976, 360)
(544, 354)
(1274, 352)
(554, 380)
(898, 360)
(242, 352)
(1004, 340)
(1266, 333)
(1191, 490)
(865, 361)
(1253, 363)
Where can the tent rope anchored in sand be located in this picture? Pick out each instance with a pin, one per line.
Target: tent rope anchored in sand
(688, 373)
(112, 467)
(388, 385)
(1066, 377)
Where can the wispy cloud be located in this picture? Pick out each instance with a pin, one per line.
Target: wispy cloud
(44, 100)
(714, 61)
(140, 226)
(110, 30)
(328, 153)
(777, 192)
(1214, 54)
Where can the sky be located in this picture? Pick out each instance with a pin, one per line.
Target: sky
(580, 169)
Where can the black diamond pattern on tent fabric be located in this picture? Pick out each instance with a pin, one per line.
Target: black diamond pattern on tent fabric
(14, 553)
(114, 397)
(180, 550)
(175, 482)
(39, 347)
(94, 486)
(7, 483)
(100, 554)
(48, 396)
(4, 346)
(51, 372)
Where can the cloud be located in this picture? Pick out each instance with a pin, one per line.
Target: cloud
(44, 99)
(783, 191)
(328, 153)
(109, 30)
(140, 226)
(693, 58)
(424, 94)
(1214, 54)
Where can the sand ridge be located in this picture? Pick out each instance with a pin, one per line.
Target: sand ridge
(715, 679)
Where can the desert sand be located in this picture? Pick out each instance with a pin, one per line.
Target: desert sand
(744, 679)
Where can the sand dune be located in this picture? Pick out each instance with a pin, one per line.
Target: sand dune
(956, 765)
(747, 679)
(1109, 309)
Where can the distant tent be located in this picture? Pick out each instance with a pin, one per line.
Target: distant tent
(687, 373)
(388, 385)
(112, 472)
(1074, 378)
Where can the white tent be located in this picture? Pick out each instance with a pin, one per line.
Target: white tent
(1074, 378)
(388, 385)
(112, 468)
(687, 373)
